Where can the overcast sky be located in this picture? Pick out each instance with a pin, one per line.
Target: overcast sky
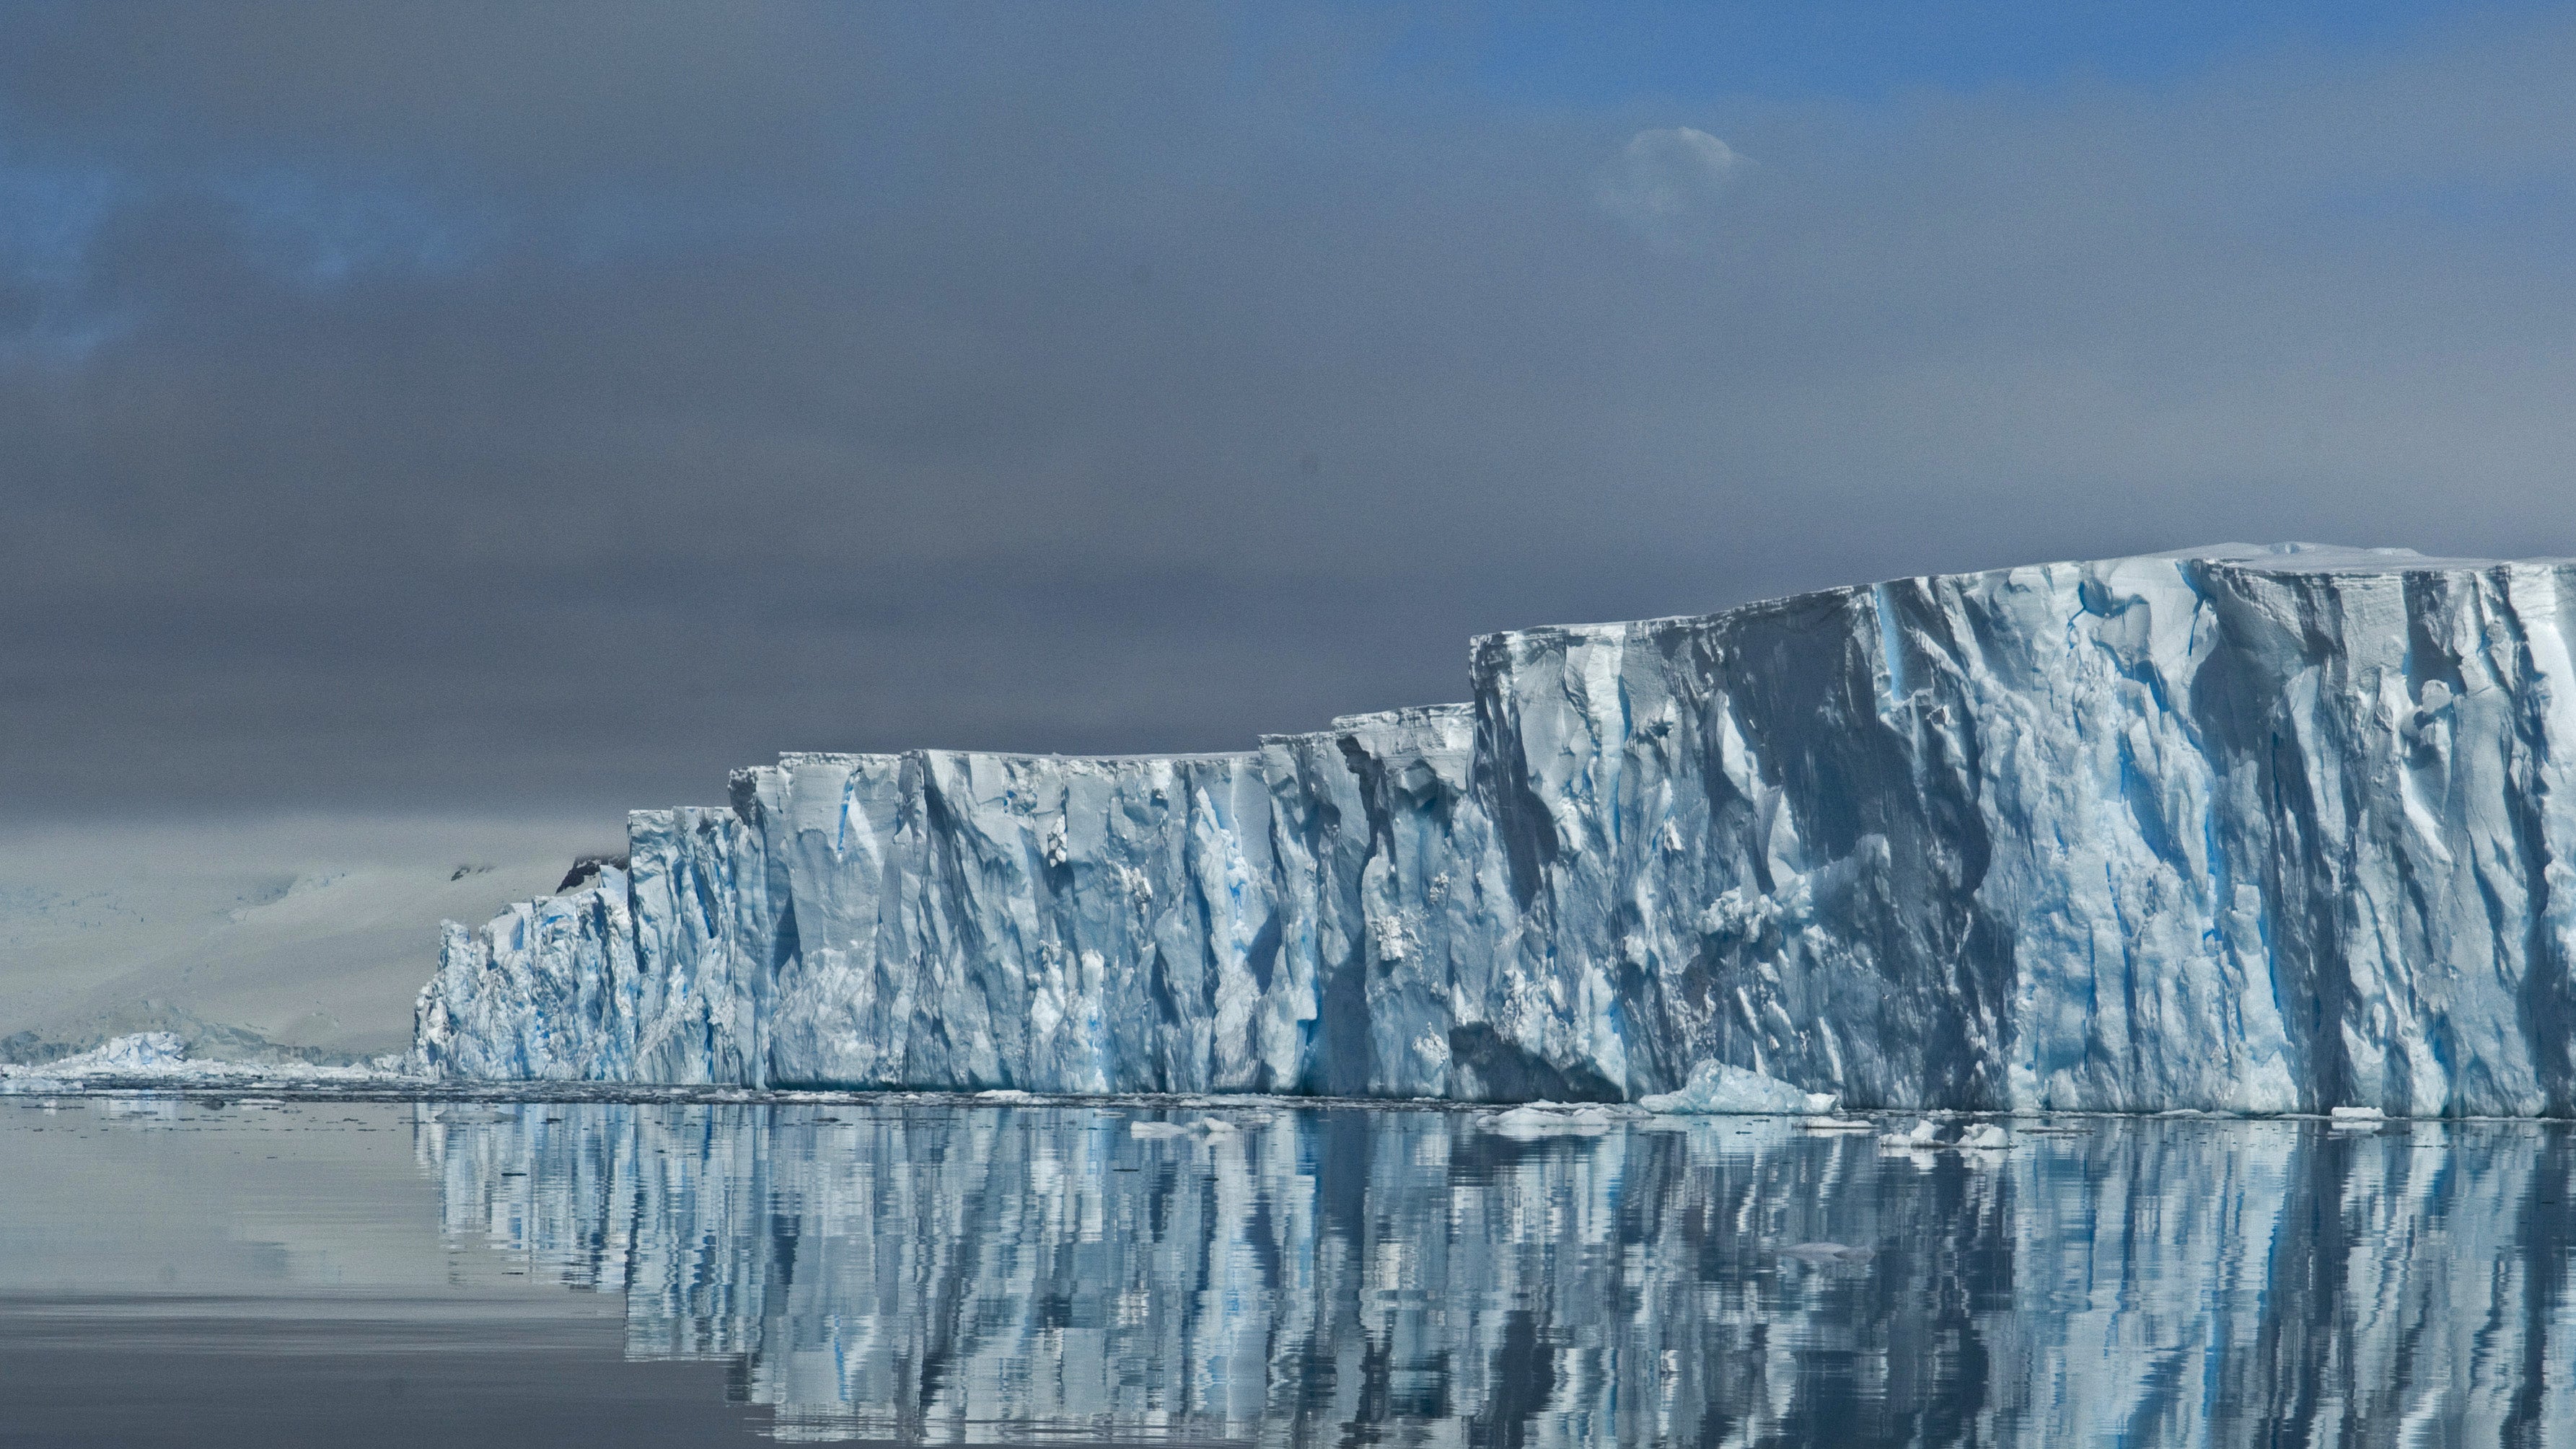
(493, 408)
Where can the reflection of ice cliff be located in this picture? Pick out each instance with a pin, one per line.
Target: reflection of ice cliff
(943, 1275)
(2252, 830)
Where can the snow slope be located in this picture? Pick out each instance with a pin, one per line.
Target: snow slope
(2239, 829)
(305, 933)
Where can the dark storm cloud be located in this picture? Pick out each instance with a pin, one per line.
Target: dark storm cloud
(441, 405)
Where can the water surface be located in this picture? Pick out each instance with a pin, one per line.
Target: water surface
(506, 1272)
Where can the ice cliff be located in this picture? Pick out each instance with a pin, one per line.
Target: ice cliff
(2245, 829)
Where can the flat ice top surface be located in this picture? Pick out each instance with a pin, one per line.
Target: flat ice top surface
(1203, 756)
(2326, 558)
(439, 1273)
(2271, 558)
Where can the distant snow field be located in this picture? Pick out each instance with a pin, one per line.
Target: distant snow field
(290, 937)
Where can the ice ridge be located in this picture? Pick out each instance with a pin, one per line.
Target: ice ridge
(2252, 829)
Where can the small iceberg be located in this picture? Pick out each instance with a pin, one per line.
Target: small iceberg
(1924, 1134)
(1822, 1253)
(1715, 1087)
(1546, 1119)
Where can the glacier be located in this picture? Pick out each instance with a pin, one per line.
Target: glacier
(2241, 829)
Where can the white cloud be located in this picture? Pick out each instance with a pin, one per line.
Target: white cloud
(1665, 182)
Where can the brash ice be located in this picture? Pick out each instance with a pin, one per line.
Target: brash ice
(2236, 828)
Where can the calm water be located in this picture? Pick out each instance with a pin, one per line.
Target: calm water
(443, 1273)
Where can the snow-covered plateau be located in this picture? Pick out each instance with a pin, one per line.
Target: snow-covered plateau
(2237, 829)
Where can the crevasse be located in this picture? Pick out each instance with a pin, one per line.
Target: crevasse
(2240, 829)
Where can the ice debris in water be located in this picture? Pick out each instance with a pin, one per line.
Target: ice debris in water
(2238, 829)
(1984, 1136)
(1545, 1119)
(1829, 1252)
(1921, 1134)
(1717, 1087)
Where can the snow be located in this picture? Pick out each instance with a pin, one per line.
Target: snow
(249, 938)
(2237, 829)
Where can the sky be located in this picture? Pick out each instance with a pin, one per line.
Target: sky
(543, 409)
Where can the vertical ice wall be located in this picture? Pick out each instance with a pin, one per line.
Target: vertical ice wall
(2241, 829)
(2254, 834)
(656, 972)
(1392, 903)
(1065, 924)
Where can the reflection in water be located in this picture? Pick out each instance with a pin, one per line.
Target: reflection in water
(1346, 1276)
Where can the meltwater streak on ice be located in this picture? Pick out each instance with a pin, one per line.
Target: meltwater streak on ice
(939, 1274)
(2242, 829)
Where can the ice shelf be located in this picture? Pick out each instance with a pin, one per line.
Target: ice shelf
(2251, 829)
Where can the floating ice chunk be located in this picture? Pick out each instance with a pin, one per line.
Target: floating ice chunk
(1002, 1095)
(1829, 1253)
(1984, 1137)
(2358, 1119)
(1922, 1134)
(1718, 1087)
(1835, 1124)
(1545, 1119)
(1151, 1131)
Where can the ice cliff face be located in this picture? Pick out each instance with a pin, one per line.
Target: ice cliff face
(2241, 829)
